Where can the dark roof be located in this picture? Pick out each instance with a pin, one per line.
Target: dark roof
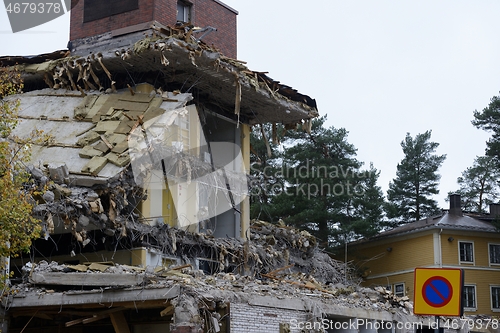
(445, 221)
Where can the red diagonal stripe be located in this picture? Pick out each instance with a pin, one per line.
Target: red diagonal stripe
(437, 291)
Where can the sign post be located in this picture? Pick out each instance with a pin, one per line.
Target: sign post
(438, 292)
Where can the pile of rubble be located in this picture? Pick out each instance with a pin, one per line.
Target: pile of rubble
(304, 271)
(78, 209)
(110, 207)
(44, 278)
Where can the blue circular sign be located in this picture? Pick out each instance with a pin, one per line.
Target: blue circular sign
(437, 291)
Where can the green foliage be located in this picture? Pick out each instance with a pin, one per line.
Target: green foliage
(417, 179)
(489, 120)
(479, 184)
(317, 184)
(263, 170)
(17, 225)
(369, 206)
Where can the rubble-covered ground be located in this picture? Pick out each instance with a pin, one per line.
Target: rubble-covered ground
(279, 261)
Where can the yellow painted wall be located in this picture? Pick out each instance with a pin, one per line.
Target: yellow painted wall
(182, 196)
(481, 258)
(245, 204)
(405, 254)
(482, 279)
(169, 213)
(397, 266)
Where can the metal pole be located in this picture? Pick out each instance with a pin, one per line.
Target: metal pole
(345, 266)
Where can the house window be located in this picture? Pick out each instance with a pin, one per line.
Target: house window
(466, 252)
(98, 9)
(495, 298)
(494, 253)
(399, 289)
(470, 297)
(183, 11)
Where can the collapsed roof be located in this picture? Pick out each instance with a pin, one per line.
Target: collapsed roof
(169, 58)
(89, 106)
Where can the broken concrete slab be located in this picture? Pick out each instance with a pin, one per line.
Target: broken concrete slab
(86, 279)
(59, 172)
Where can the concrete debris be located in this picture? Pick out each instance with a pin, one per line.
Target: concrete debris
(110, 207)
(308, 271)
(78, 209)
(202, 293)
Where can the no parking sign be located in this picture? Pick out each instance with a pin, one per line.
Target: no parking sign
(438, 291)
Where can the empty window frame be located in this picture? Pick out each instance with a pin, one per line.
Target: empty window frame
(466, 251)
(183, 11)
(495, 298)
(399, 289)
(470, 297)
(494, 254)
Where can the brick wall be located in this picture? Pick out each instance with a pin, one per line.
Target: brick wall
(79, 29)
(257, 319)
(204, 13)
(165, 12)
(211, 13)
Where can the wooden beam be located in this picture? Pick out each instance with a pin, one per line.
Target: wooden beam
(95, 317)
(119, 322)
(280, 269)
(167, 311)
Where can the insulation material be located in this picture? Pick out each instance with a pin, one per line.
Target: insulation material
(95, 165)
(266, 141)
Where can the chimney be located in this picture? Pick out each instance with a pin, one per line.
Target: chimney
(104, 22)
(455, 205)
(495, 209)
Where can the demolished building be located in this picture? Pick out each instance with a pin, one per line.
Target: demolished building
(144, 195)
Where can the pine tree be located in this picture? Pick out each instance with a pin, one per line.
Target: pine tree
(417, 179)
(324, 186)
(479, 184)
(489, 120)
(369, 205)
(265, 160)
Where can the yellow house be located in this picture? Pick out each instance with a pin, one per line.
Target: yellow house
(450, 240)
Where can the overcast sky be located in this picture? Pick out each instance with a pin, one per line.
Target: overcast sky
(379, 68)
